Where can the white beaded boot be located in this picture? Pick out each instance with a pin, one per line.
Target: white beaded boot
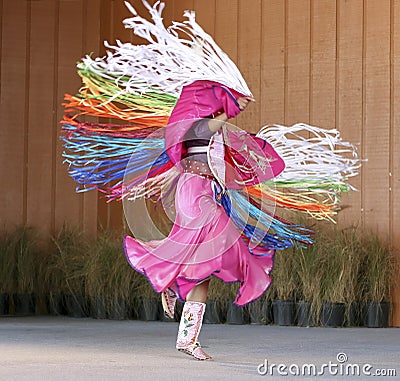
(189, 329)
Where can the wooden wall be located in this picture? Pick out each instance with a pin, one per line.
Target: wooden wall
(333, 63)
(41, 41)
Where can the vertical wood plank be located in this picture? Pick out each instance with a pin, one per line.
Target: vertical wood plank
(377, 116)
(40, 195)
(297, 89)
(226, 30)
(13, 92)
(226, 27)
(273, 63)
(1, 37)
(350, 96)
(395, 154)
(69, 51)
(323, 63)
(91, 43)
(249, 60)
(116, 215)
(106, 34)
(180, 6)
(120, 12)
(106, 24)
(206, 15)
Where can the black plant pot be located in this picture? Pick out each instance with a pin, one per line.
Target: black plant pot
(260, 312)
(24, 304)
(213, 312)
(134, 307)
(376, 315)
(98, 307)
(149, 310)
(354, 315)
(75, 306)
(332, 314)
(118, 309)
(55, 304)
(283, 312)
(236, 314)
(304, 318)
(4, 304)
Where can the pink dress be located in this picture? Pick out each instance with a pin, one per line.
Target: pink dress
(203, 241)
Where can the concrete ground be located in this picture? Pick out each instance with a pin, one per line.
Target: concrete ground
(62, 348)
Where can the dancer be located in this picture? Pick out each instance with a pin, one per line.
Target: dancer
(203, 241)
(175, 96)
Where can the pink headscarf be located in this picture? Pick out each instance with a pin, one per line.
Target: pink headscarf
(198, 100)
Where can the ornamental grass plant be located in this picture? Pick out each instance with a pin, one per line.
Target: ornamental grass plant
(19, 263)
(7, 263)
(111, 283)
(377, 269)
(23, 259)
(332, 265)
(284, 275)
(65, 273)
(260, 310)
(309, 279)
(344, 266)
(67, 262)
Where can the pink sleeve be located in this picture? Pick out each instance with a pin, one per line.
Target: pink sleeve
(228, 100)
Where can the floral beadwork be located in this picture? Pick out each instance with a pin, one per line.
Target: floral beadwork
(188, 322)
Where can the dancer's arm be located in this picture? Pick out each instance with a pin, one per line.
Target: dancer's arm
(216, 123)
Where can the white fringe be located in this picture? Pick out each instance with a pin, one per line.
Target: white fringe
(152, 187)
(168, 62)
(321, 156)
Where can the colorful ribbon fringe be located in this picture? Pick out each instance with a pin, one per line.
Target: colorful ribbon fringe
(127, 88)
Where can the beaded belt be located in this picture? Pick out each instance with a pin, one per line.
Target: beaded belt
(197, 168)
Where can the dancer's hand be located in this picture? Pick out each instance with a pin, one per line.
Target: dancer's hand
(215, 124)
(244, 101)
